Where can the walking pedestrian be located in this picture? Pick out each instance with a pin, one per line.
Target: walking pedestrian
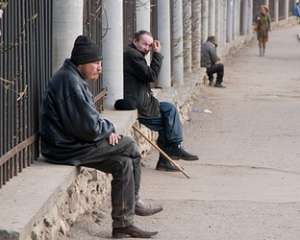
(262, 28)
(297, 11)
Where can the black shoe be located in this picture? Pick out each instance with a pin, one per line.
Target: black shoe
(219, 85)
(211, 83)
(178, 152)
(164, 165)
(131, 231)
(142, 210)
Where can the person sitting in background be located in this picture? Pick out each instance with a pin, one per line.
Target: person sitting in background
(211, 61)
(74, 133)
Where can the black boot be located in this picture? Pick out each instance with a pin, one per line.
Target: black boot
(131, 231)
(141, 209)
(219, 85)
(164, 165)
(178, 152)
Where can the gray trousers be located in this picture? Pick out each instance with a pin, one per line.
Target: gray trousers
(123, 162)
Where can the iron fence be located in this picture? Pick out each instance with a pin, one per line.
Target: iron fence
(25, 68)
(93, 12)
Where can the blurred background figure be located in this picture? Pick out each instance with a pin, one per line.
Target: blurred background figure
(262, 28)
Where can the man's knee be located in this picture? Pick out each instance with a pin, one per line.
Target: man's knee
(167, 107)
(132, 149)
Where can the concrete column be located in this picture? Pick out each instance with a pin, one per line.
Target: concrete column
(204, 17)
(212, 18)
(187, 36)
(267, 2)
(276, 10)
(286, 9)
(164, 25)
(196, 33)
(229, 27)
(245, 17)
(65, 29)
(177, 42)
(143, 15)
(238, 18)
(234, 19)
(143, 18)
(112, 45)
(250, 19)
(218, 21)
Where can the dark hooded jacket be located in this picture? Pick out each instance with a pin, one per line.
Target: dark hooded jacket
(137, 78)
(70, 124)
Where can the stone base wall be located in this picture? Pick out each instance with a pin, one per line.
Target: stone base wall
(88, 192)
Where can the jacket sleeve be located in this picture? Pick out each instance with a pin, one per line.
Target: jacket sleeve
(142, 70)
(82, 120)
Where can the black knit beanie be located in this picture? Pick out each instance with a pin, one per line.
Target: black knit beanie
(85, 51)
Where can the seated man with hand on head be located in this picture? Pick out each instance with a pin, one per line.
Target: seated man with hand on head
(74, 133)
(158, 116)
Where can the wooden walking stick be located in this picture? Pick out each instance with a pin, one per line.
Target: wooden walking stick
(162, 152)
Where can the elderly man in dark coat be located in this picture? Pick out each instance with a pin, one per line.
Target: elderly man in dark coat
(158, 116)
(211, 61)
(74, 133)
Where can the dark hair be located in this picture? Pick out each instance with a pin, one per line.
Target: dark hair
(138, 34)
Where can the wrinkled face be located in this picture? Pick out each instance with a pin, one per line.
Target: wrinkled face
(144, 43)
(91, 71)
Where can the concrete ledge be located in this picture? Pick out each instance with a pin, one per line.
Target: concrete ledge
(27, 202)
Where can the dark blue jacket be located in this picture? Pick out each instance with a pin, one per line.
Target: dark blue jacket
(70, 124)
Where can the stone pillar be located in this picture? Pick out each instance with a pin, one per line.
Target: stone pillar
(276, 10)
(187, 36)
(177, 42)
(233, 19)
(196, 33)
(143, 15)
(218, 20)
(204, 17)
(212, 18)
(238, 18)
(112, 45)
(286, 9)
(163, 32)
(65, 29)
(245, 17)
(229, 27)
(143, 18)
(250, 19)
(267, 2)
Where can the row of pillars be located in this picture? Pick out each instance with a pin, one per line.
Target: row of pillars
(276, 8)
(192, 22)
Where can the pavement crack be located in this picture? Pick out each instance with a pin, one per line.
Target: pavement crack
(251, 167)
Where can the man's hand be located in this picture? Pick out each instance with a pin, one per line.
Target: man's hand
(156, 46)
(114, 139)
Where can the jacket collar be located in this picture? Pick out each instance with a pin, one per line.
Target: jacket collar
(131, 45)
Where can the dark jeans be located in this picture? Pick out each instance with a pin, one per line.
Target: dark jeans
(168, 125)
(219, 70)
(123, 162)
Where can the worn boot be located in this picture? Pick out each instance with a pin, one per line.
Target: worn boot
(178, 152)
(164, 165)
(141, 209)
(131, 231)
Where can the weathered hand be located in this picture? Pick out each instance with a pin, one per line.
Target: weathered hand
(156, 46)
(114, 139)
